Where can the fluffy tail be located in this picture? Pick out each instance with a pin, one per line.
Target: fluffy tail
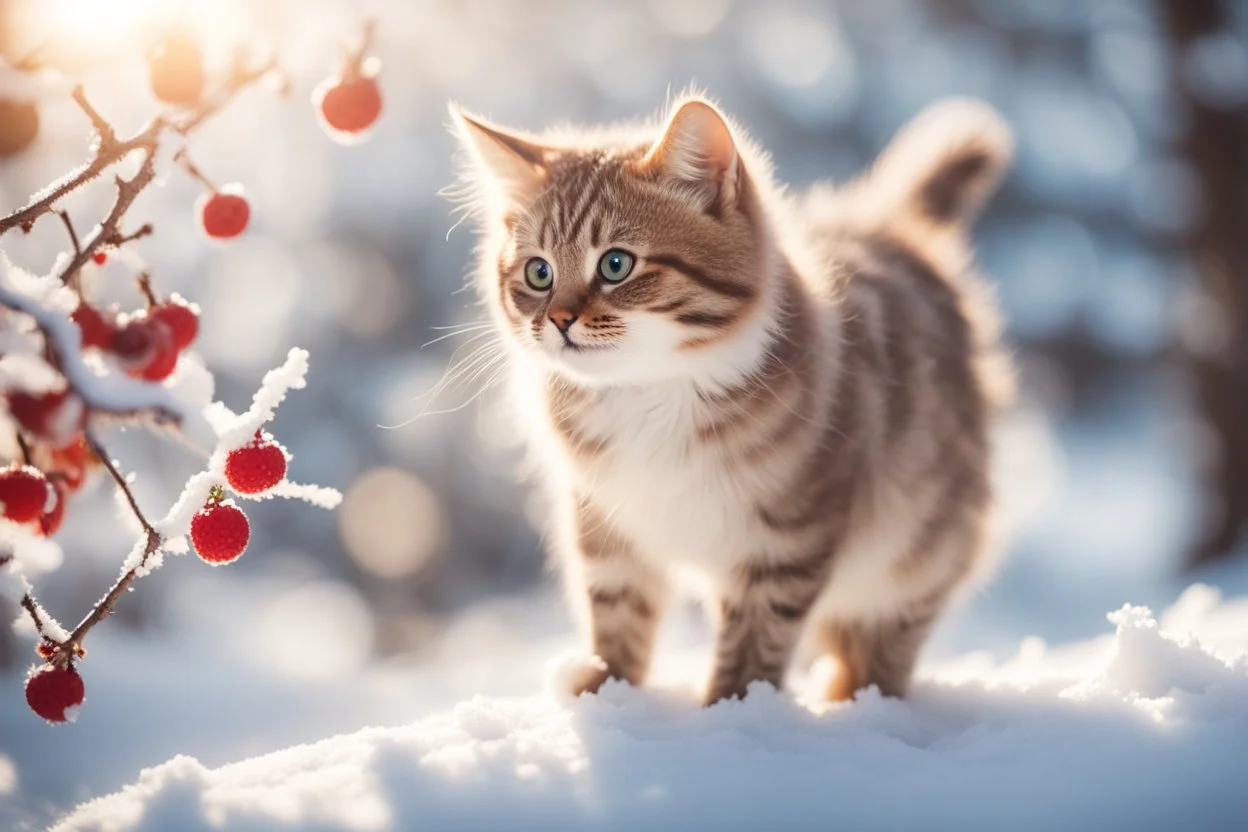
(945, 163)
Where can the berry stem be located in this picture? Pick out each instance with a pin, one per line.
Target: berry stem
(144, 281)
(354, 63)
(69, 226)
(192, 170)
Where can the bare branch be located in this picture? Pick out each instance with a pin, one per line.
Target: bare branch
(127, 191)
(241, 77)
(69, 226)
(108, 138)
(104, 607)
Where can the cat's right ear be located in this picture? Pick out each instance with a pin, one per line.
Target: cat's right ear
(516, 166)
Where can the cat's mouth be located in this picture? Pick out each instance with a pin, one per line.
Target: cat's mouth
(569, 345)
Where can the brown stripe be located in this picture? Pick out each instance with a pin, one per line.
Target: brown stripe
(809, 567)
(707, 319)
(635, 600)
(697, 275)
(636, 291)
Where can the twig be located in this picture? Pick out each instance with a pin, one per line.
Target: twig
(145, 288)
(354, 63)
(108, 137)
(24, 447)
(120, 239)
(127, 191)
(72, 646)
(98, 450)
(108, 152)
(192, 170)
(69, 226)
(241, 77)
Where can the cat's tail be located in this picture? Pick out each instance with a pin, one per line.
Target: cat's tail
(944, 164)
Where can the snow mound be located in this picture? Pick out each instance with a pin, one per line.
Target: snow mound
(1142, 729)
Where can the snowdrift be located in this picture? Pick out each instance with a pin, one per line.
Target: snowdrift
(1147, 728)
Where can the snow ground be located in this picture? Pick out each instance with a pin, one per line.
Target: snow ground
(1145, 727)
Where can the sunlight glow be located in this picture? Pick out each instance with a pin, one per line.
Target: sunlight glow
(88, 30)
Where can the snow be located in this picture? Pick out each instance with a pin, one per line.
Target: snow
(1142, 727)
(49, 303)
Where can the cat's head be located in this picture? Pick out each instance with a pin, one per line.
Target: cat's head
(625, 258)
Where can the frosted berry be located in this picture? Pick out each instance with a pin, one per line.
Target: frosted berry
(219, 532)
(97, 331)
(144, 348)
(182, 318)
(255, 467)
(55, 417)
(19, 124)
(25, 493)
(223, 214)
(348, 105)
(53, 691)
(100, 258)
(53, 516)
(176, 69)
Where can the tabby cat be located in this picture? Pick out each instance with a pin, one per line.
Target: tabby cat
(788, 396)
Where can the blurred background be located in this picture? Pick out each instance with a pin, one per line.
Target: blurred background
(1119, 244)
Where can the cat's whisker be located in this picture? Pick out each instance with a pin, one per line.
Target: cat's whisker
(463, 330)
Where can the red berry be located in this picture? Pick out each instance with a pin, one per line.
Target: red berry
(144, 348)
(55, 417)
(348, 105)
(19, 124)
(53, 691)
(96, 329)
(223, 214)
(70, 462)
(176, 69)
(25, 493)
(219, 532)
(182, 318)
(100, 258)
(52, 518)
(255, 467)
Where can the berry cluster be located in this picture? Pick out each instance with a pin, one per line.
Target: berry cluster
(59, 449)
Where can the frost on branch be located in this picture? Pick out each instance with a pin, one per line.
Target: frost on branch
(69, 370)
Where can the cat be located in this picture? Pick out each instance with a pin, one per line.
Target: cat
(788, 396)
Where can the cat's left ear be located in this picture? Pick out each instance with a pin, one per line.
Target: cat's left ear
(697, 151)
(516, 165)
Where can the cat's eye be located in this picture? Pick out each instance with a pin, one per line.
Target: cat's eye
(538, 274)
(615, 265)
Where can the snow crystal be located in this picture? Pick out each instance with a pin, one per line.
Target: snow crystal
(317, 495)
(1150, 736)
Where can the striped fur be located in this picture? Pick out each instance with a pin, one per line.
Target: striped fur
(789, 396)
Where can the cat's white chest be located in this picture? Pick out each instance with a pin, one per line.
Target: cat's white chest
(669, 491)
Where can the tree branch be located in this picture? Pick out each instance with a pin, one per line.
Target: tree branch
(72, 646)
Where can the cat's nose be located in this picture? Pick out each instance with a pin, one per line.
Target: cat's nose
(562, 318)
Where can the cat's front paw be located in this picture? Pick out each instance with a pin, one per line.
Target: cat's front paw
(577, 675)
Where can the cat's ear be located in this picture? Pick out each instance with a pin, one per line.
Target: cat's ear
(698, 152)
(512, 163)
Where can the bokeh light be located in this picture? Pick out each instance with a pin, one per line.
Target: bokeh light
(391, 522)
